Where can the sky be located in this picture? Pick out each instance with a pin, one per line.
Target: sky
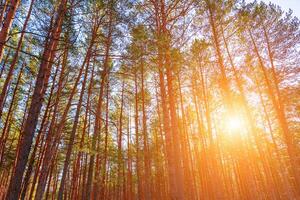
(286, 4)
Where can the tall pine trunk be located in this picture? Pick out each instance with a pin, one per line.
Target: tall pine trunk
(11, 8)
(36, 103)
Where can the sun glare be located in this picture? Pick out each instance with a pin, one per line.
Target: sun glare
(235, 125)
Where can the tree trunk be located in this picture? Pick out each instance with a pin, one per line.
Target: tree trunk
(99, 107)
(14, 61)
(36, 104)
(280, 113)
(6, 24)
(73, 133)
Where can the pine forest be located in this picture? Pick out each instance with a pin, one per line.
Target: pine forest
(149, 100)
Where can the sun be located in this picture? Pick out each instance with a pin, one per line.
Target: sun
(235, 124)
